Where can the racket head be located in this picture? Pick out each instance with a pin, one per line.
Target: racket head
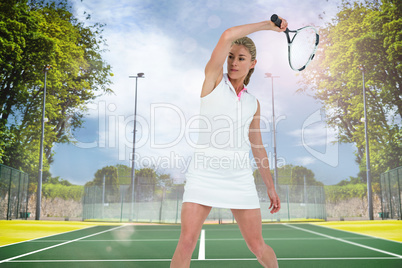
(302, 47)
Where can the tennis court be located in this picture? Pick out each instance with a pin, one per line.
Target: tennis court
(296, 245)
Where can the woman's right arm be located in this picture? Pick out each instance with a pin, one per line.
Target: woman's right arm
(214, 67)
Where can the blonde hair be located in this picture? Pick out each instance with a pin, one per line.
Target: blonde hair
(249, 44)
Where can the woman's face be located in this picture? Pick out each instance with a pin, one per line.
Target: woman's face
(239, 62)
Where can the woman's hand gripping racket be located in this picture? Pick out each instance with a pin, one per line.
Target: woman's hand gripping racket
(302, 46)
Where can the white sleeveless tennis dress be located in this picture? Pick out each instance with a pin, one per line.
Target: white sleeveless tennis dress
(220, 173)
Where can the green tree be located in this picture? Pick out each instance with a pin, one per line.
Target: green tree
(285, 174)
(74, 192)
(107, 177)
(58, 180)
(291, 175)
(34, 34)
(336, 193)
(148, 184)
(351, 180)
(365, 34)
(165, 181)
(258, 177)
(299, 174)
(124, 174)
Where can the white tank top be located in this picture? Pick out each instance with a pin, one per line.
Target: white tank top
(225, 118)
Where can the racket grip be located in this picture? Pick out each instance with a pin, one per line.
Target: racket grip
(276, 20)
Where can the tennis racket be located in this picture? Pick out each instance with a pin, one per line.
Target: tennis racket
(303, 45)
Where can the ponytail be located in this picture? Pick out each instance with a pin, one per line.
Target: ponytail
(247, 79)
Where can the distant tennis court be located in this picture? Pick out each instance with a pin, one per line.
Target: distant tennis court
(296, 245)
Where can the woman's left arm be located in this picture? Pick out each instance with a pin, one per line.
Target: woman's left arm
(261, 158)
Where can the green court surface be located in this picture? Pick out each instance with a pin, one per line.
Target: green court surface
(296, 245)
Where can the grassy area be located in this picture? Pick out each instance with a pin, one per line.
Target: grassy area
(21, 230)
(391, 230)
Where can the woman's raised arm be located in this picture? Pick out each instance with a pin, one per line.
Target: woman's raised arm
(213, 69)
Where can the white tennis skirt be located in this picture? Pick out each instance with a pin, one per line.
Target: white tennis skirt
(221, 178)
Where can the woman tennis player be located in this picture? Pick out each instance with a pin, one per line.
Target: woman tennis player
(220, 173)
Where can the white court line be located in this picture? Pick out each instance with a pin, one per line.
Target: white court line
(113, 240)
(61, 244)
(240, 259)
(344, 241)
(201, 251)
(206, 239)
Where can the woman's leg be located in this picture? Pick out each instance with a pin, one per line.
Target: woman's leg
(249, 221)
(192, 218)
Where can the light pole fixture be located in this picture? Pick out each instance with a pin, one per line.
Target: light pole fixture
(369, 189)
(39, 189)
(139, 75)
(269, 75)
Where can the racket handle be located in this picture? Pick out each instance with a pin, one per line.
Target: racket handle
(276, 20)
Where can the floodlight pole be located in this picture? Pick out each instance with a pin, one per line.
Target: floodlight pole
(269, 75)
(369, 189)
(139, 75)
(39, 189)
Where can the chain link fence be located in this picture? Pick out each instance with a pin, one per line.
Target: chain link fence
(391, 191)
(13, 194)
(157, 204)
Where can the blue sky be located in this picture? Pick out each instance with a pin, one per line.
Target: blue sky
(171, 41)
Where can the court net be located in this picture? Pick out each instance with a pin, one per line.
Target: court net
(13, 193)
(391, 192)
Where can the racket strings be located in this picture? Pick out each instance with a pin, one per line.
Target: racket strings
(302, 48)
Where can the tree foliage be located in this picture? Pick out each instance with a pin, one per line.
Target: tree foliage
(148, 184)
(72, 192)
(291, 175)
(367, 34)
(35, 34)
(336, 193)
(351, 180)
(58, 180)
(107, 177)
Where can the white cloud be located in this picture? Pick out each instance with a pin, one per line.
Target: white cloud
(171, 41)
(172, 78)
(305, 161)
(318, 140)
(317, 134)
(173, 68)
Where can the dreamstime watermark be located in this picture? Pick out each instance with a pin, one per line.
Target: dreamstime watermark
(154, 131)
